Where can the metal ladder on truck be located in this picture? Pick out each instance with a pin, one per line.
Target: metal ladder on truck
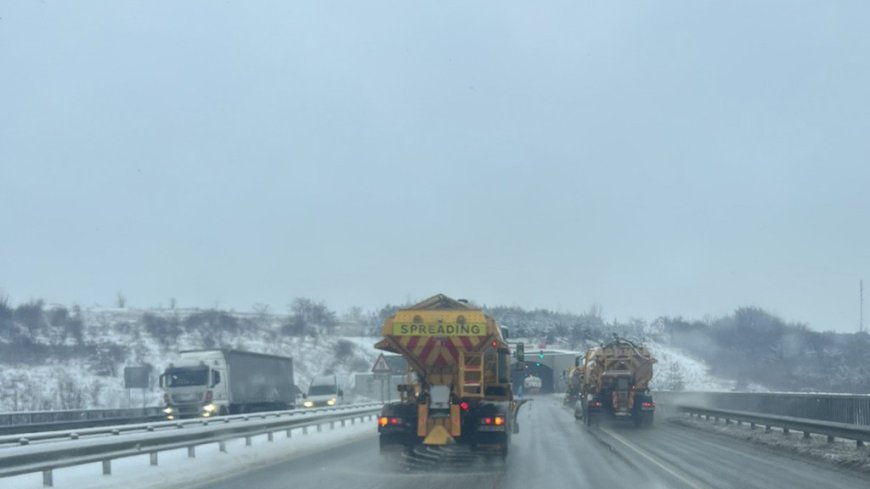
(471, 374)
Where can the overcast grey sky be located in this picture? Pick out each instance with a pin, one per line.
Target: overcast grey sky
(657, 157)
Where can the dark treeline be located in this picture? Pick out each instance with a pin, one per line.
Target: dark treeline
(748, 346)
(752, 345)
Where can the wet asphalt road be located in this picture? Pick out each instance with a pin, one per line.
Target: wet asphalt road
(555, 451)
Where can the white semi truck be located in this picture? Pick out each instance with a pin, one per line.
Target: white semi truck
(216, 382)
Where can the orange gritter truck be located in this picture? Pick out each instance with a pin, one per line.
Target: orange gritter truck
(615, 382)
(458, 389)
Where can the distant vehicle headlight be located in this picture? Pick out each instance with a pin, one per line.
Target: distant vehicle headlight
(169, 410)
(210, 408)
(308, 403)
(331, 402)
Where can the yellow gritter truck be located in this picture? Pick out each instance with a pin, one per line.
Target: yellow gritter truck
(458, 388)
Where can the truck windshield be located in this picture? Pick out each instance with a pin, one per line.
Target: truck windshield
(182, 377)
(321, 390)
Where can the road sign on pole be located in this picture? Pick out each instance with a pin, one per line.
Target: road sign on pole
(381, 366)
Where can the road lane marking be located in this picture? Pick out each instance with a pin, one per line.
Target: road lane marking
(663, 466)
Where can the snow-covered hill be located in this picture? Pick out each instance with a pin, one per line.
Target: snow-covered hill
(52, 357)
(65, 374)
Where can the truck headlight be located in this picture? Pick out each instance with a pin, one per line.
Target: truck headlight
(308, 404)
(330, 402)
(210, 409)
(168, 410)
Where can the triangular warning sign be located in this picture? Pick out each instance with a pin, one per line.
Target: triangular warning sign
(381, 366)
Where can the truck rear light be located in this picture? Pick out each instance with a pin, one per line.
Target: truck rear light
(394, 421)
(649, 404)
(463, 405)
(383, 420)
(493, 421)
(595, 404)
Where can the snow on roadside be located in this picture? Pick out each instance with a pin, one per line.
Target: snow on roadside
(176, 470)
(842, 453)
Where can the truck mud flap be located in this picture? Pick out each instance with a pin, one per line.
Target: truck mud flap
(515, 409)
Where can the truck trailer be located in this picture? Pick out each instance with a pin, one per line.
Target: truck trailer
(458, 387)
(216, 382)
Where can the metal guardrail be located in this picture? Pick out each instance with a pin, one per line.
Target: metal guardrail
(39, 417)
(47, 457)
(851, 409)
(832, 430)
(76, 434)
(33, 421)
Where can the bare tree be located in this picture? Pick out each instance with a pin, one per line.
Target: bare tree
(69, 393)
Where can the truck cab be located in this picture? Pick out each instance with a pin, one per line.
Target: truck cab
(195, 386)
(324, 391)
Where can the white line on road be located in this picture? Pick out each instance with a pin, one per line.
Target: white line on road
(661, 465)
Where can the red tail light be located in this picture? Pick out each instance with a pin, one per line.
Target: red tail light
(394, 421)
(495, 420)
(595, 404)
(649, 404)
(463, 405)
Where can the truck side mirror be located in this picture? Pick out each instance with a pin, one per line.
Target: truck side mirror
(216, 379)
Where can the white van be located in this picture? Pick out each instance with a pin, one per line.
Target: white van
(323, 391)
